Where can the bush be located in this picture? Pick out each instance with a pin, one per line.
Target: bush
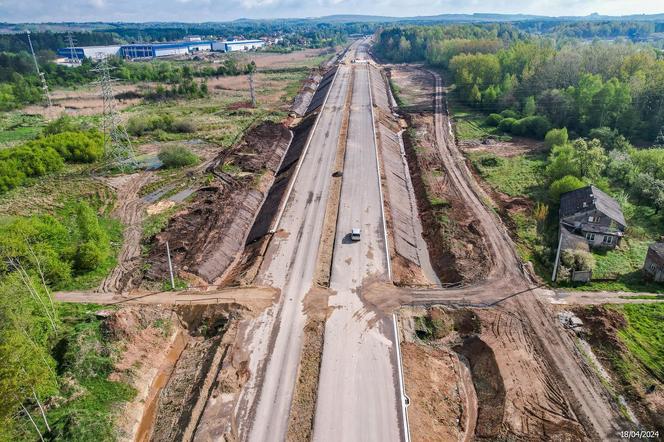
(76, 147)
(88, 257)
(534, 126)
(64, 123)
(556, 137)
(177, 156)
(183, 126)
(578, 260)
(563, 185)
(494, 120)
(509, 113)
(506, 124)
(140, 125)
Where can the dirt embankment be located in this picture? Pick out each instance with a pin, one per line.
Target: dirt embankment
(514, 399)
(642, 389)
(149, 341)
(261, 231)
(456, 245)
(207, 237)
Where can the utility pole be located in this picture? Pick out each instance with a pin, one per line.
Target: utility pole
(170, 265)
(39, 73)
(251, 89)
(117, 146)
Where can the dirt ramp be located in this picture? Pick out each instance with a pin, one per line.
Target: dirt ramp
(207, 237)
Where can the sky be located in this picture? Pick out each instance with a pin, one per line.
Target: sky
(222, 10)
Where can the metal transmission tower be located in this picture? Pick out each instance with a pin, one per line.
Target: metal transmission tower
(117, 146)
(73, 55)
(39, 73)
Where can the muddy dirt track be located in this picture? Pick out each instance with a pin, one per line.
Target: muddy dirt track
(573, 391)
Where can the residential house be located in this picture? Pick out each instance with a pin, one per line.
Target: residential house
(653, 268)
(589, 218)
(592, 214)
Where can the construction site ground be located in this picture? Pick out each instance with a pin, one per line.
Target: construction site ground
(484, 355)
(531, 380)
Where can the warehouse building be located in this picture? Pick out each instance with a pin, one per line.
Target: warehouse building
(92, 52)
(237, 45)
(138, 50)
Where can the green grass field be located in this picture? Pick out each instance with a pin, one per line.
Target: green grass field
(520, 175)
(644, 337)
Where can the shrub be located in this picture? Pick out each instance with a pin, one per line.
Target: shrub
(506, 124)
(88, 256)
(183, 126)
(579, 260)
(563, 185)
(509, 113)
(64, 123)
(494, 120)
(76, 147)
(491, 161)
(534, 126)
(177, 156)
(556, 137)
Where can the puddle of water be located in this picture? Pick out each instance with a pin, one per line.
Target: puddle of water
(154, 196)
(182, 195)
(150, 412)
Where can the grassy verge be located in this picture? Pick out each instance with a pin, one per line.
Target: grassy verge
(16, 127)
(521, 175)
(470, 124)
(84, 358)
(644, 336)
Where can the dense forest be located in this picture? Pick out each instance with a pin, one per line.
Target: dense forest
(580, 85)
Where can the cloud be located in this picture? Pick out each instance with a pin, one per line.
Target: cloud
(220, 10)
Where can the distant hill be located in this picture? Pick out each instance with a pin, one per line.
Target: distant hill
(335, 19)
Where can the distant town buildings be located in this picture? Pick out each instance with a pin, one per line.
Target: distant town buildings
(156, 50)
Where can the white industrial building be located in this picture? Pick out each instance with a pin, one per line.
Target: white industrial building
(93, 52)
(237, 45)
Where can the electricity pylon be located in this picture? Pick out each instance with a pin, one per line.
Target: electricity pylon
(39, 73)
(73, 55)
(117, 146)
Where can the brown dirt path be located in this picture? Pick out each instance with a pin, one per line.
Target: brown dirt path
(130, 210)
(562, 366)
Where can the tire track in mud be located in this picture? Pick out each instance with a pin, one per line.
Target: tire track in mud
(130, 210)
(558, 366)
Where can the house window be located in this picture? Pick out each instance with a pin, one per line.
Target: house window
(591, 219)
(607, 239)
(590, 236)
(653, 267)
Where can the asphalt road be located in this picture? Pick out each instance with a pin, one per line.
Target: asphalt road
(291, 262)
(357, 392)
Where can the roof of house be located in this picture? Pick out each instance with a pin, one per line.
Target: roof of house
(588, 198)
(658, 248)
(569, 241)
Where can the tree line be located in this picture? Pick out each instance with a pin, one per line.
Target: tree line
(580, 86)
